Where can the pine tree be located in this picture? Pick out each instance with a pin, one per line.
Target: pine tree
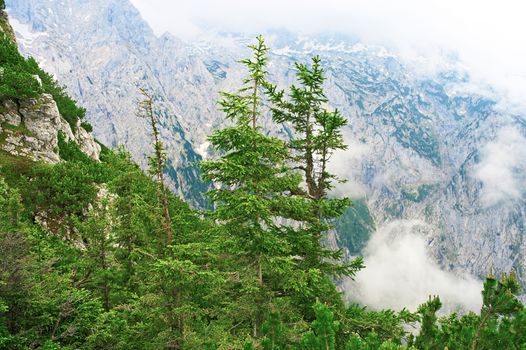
(274, 330)
(500, 303)
(135, 201)
(323, 333)
(427, 339)
(96, 232)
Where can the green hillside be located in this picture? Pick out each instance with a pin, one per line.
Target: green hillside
(99, 255)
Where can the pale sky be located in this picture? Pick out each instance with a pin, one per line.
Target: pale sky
(489, 37)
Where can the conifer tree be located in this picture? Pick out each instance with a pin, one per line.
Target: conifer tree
(136, 199)
(274, 330)
(426, 340)
(10, 207)
(500, 303)
(323, 333)
(96, 231)
(317, 131)
(317, 134)
(251, 179)
(158, 159)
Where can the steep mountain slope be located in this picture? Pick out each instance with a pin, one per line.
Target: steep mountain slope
(36, 116)
(420, 148)
(88, 263)
(121, 56)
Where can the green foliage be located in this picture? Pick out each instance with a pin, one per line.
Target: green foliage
(429, 332)
(157, 160)
(60, 191)
(86, 126)
(18, 81)
(70, 151)
(499, 325)
(10, 206)
(85, 262)
(38, 303)
(67, 107)
(317, 130)
(95, 230)
(322, 335)
(383, 325)
(274, 333)
(317, 134)
(355, 227)
(252, 179)
(68, 288)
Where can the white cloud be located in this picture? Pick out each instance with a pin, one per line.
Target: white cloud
(346, 165)
(400, 273)
(486, 36)
(502, 167)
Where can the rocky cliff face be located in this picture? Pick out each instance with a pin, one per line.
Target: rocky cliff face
(30, 128)
(105, 72)
(421, 147)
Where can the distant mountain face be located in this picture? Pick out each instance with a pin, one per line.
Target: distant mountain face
(420, 148)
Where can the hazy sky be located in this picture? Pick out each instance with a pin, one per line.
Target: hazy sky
(489, 37)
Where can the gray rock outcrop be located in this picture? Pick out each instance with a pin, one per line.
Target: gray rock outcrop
(30, 128)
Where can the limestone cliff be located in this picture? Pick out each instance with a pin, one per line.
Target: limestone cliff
(30, 128)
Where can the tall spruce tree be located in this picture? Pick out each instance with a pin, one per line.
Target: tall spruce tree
(317, 134)
(252, 180)
(158, 159)
(96, 231)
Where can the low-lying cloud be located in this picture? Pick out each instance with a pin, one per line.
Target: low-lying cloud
(346, 164)
(502, 168)
(400, 273)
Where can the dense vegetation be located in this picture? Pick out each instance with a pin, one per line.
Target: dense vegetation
(87, 262)
(22, 78)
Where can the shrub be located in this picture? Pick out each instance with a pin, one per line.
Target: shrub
(87, 126)
(17, 81)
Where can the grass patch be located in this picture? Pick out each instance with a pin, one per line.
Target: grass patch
(13, 168)
(17, 129)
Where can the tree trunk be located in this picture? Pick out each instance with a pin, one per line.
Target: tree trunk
(479, 329)
(254, 104)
